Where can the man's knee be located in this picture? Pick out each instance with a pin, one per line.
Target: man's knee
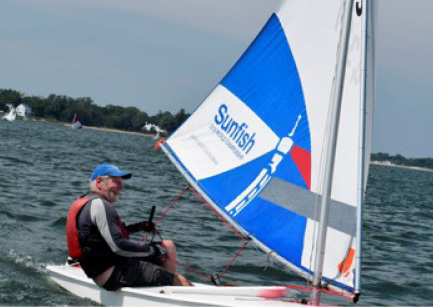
(169, 246)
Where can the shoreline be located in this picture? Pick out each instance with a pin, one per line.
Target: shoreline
(415, 168)
(114, 130)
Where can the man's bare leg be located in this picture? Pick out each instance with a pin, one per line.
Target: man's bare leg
(179, 280)
(170, 263)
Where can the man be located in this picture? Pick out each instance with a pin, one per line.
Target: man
(100, 241)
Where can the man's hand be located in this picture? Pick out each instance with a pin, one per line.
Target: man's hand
(148, 226)
(160, 251)
(141, 226)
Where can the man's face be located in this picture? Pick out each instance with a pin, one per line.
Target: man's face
(110, 188)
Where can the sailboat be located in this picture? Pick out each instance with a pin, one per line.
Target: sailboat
(76, 124)
(159, 132)
(11, 114)
(147, 126)
(158, 129)
(280, 148)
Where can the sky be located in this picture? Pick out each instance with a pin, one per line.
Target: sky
(169, 54)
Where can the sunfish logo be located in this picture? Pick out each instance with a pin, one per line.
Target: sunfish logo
(283, 148)
(236, 131)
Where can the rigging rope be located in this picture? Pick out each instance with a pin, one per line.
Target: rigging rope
(144, 238)
(215, 212)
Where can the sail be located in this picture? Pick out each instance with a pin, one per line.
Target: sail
(12, 114)
(76, 124)
(256, 147)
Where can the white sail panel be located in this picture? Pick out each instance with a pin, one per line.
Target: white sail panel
(313, 30)
(234, 136)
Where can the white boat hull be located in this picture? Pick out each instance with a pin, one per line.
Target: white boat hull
(77, 125)
(74, 280)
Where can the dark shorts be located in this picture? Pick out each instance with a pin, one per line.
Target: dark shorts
(138, 273)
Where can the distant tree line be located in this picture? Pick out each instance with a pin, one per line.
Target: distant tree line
(63, 108)
(400, 160)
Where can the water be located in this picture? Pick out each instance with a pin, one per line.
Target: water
(46, 166)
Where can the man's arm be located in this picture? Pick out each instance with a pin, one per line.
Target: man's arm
(104, 216)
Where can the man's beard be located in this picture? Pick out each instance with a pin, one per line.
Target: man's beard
(112, 196)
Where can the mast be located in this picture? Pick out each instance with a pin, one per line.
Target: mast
(332, 144)
(361, 164)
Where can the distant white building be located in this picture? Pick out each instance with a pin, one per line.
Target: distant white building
(23, 110)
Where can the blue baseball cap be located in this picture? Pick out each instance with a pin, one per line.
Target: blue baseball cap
(109, 170)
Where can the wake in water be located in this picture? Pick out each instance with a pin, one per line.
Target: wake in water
(23, 262)
(24, 282)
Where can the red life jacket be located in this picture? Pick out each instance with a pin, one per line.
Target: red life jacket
(74, 248)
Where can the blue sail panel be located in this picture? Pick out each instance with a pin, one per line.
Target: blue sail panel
(266, 79)
(280, 229)
(263, 87)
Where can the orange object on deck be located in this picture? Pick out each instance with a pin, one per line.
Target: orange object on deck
(345, 265)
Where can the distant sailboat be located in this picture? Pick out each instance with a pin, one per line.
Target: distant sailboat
(76, 124)
(147, 126)
(158, 130)
(11, 115)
